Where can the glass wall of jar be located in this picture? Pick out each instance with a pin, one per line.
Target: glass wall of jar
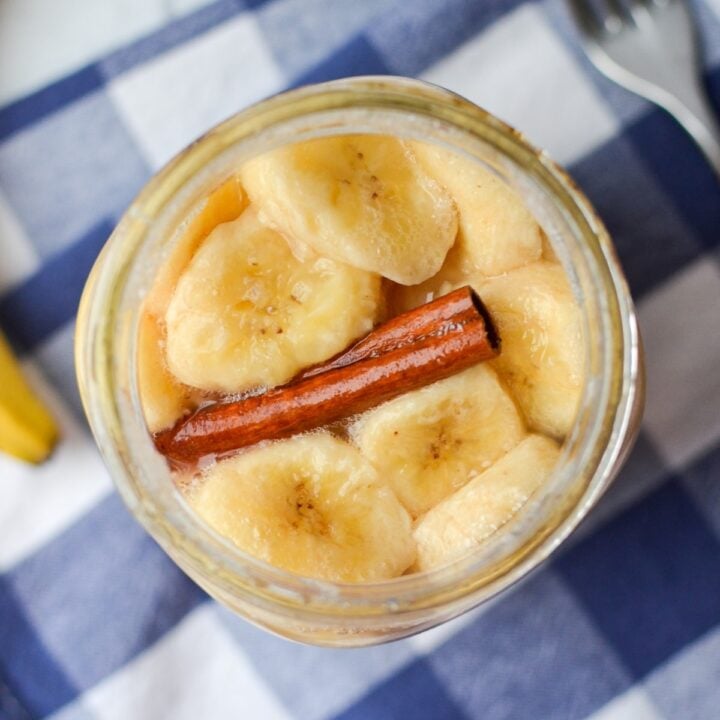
(316, 611)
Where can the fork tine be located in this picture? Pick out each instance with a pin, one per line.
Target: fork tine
(587, 17)
(641, 10)
(618, 15)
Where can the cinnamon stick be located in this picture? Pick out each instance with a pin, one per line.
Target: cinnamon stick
(434, 317)
(334, 394)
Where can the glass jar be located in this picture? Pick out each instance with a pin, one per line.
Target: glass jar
(316, 611)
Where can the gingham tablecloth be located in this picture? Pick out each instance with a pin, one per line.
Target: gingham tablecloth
(97, 623)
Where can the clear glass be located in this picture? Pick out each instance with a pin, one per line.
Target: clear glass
(316, 611)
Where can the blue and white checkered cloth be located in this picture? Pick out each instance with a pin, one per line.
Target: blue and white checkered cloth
(624, 623)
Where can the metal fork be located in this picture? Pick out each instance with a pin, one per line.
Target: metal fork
(650, 48)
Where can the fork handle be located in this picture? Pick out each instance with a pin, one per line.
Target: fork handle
(693, 111)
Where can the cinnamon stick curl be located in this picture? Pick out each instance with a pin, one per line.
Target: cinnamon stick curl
(397, 360)
(432, 318)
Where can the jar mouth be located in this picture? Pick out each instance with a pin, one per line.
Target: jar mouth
(108, 317)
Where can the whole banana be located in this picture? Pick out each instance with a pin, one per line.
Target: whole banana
(27, 430)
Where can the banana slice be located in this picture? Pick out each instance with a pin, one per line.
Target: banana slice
(27, 430)
(542, 357)
(312, 505)
(464, 520)
(224, 204)
(497, 232)
(427, 444)
(164, 400)
(359, 199)
(247, 313)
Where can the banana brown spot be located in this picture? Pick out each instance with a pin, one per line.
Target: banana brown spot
(308, 517)
(435, 451)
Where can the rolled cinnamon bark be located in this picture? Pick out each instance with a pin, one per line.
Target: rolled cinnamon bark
(434, 317)
(334, 394)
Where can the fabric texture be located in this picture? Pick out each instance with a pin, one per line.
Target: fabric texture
(96, 623)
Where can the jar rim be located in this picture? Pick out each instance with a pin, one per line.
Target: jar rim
(105, 336)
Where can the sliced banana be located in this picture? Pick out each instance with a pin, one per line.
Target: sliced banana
(247, 313)
(223, 204)
(497, 232)
(164, 400)
(464, 520)
(428, 443)
(359, 199)
(312, 505)
(542, 356)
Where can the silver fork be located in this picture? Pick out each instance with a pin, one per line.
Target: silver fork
(650, 48)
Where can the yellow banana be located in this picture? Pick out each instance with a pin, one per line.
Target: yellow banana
(27, 430)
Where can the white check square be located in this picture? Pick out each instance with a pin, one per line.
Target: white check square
(631, 705)
(171, 100)
(520, 70)
(679, 324)
(15, 244)
(687, 685)
(195, 671)
(38, 502)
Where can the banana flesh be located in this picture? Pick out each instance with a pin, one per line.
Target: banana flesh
(542, 358)
(358, 199)
(163, 397)
(497, 232)
(312, 505)
(247, 313)
(466, 519)
(430, 442)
